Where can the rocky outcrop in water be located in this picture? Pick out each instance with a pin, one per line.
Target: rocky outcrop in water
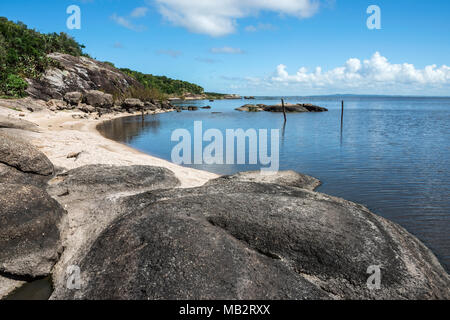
(233, 239)
(291, 108)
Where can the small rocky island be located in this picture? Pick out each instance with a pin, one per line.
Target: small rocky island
(290, 108)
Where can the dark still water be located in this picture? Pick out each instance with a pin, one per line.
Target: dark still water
(392, 155)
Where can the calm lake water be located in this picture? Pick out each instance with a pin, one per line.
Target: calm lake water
(392, 155)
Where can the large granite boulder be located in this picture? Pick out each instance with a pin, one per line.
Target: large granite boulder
(133, 104)
(18, 153)
(98, 99)
(29, 235)
(73, 98)
(90, 195)
(234, 239)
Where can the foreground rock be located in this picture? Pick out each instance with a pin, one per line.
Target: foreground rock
(291, 108)
(90, 195)
(13, 176)
(18, 153)
(235, 239)
(97, 181)
(30, 235)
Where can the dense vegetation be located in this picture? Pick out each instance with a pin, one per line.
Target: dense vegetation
(23, 54)
(215, 95)
(165, 85)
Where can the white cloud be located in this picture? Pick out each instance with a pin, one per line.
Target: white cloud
(139, 12)
(227, 50)
(376, 72)
(218, 17)
(124, 22)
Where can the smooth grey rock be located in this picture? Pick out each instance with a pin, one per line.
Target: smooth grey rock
(284, 178)
(14, 123)
(12, 175)
(244, 240)
(29, 236)
(133, 103)
(97, 181)
(27, 103)
(98, 99)
(73, 98)
(18, 153)
(90, 195)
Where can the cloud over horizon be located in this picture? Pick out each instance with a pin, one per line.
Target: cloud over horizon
(218, 17)
(376, 72)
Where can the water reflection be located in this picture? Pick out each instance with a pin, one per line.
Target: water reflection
(126, 129)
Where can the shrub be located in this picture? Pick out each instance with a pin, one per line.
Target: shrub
(23, 54)
(15, 86)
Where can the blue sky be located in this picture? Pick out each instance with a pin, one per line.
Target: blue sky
(281, 47)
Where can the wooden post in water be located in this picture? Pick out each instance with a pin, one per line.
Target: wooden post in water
(342, 114)
(284, 110)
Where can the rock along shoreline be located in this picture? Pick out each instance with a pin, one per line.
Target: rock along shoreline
(140, 227)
